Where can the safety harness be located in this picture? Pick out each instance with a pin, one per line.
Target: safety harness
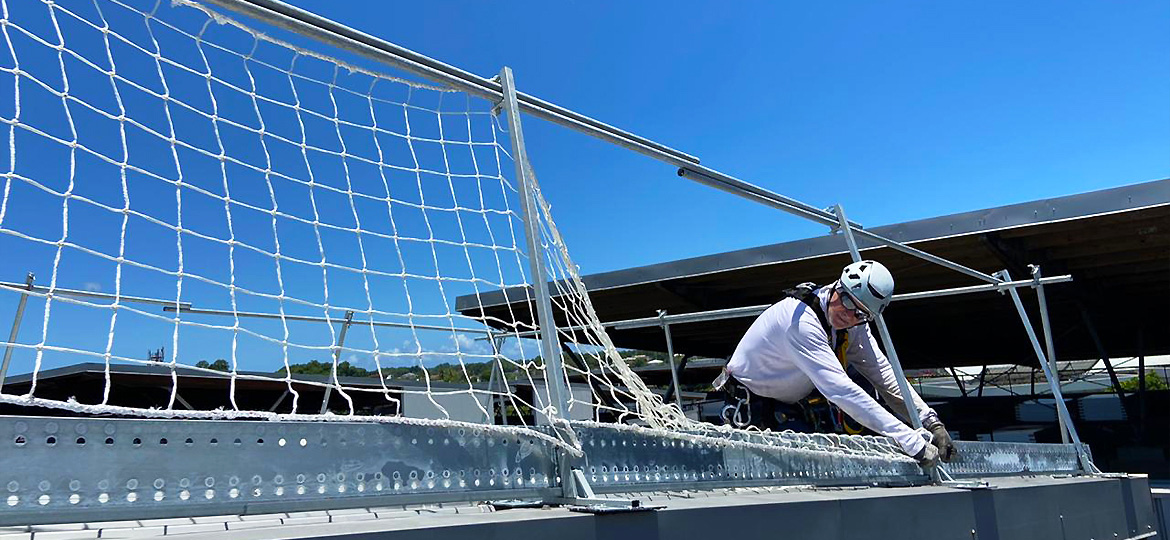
(806, 293)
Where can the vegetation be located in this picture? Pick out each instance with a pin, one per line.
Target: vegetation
(1153, 382)
(218, 365)
(344, 369)
(445, 372)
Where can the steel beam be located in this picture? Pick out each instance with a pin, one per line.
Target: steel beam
(752, 311)
(554, 372)
(73, 470)
(677, 390)
(1048, 341)
(42, 290)
(305, 318)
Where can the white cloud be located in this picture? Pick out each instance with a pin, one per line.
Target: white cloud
(92, 286)
(468, 344)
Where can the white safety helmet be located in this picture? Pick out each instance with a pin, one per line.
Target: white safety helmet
(870, 283)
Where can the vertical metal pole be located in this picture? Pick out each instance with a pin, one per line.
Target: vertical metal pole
(28, 282)
(937, 472)
(497, 346)
(670, 356)
(1061, 409)
(489, 415)
(336, 357)
(1051, 345)
(887, 341)
(554, 374)
(958, 382)
(1142, 382)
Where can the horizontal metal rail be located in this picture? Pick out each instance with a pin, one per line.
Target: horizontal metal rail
(751, 311)
(332, 33)
(305, 318)
(998, 287)
(338, 35)
(25, 289)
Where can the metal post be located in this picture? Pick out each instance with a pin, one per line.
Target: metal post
(279, 400)
(1142, 381)
(554, 374)
(937, 472)
(682, 366)
(28, 283)
(1048, 341)
(887, 341)
(670, 356)
(490, 417)
(336, 357)
(958, 382)
(1061, 409)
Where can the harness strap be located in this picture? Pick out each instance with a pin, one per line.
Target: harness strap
(806, 293)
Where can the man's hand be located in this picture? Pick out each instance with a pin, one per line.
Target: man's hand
(943, 443)
(927, 457)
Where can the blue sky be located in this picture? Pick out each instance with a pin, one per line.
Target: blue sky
(898, 112)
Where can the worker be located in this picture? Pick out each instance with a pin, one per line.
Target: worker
(807, 341)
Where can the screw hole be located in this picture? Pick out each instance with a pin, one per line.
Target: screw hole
(50, 440)
(19, 440)
(162, 441)
(137, 441)
(81, 441)
(214, 441)
(109, 441)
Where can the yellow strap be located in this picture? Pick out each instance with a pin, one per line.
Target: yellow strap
(842, 346)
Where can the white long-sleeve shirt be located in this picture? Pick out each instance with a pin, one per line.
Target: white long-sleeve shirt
(785, 354)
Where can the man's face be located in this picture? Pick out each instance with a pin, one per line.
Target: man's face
(841, 317)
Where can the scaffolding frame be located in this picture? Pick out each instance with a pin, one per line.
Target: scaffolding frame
(566, 482)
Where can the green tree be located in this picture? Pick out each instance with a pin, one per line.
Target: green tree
(313, 367)
(1153, 382)
(218, 365)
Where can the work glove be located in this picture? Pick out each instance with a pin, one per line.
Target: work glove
(927, 457)
(942, 441)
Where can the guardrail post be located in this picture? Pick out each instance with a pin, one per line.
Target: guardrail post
(554, 374)
(670, 357)
(28, 283)
(1047, 328)
(1061, 410)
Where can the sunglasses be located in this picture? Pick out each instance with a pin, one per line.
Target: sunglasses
(853, 305)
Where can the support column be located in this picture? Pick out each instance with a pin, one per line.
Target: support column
(958, 382)
(1048, 341)
(1141, 345)
(554, 374)
(1061, 410)
(336, 358)
(887, 341)
(28, 283)
(670, 356)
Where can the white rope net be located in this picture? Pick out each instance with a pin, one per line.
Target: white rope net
(288, 228)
